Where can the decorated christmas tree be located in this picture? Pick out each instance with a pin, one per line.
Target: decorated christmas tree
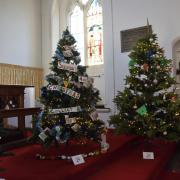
(148, 105)
(69, 100)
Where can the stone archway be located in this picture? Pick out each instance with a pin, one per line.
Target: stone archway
(176, 64)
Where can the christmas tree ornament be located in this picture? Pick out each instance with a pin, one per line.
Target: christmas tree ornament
(142, 110)
(68, 67)
(75, 127)
(66, 83)
(173, 99)
(164, 97)
(65, 110)
(155, 81)
(146, 67)
(165, 133)
(82, 78)
(135, 106)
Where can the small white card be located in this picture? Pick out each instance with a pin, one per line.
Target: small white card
(148, 155)
(42, 136)
(78, 159)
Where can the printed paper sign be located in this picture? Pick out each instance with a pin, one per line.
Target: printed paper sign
(53, 87)
(66, 110)
(65, 90)
(78, 159)
(148, 155)
(70, 120)
(42, 136)
(82, 78)
(68, 67)
(94, 115)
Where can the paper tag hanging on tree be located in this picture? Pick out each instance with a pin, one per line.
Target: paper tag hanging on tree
(142, 110)
(53, 87)
(66, 110)
(68, 67)
(70, 120)
(65, 90)
(70, 92)
(94, 115)
(43, 135)
(82, 78)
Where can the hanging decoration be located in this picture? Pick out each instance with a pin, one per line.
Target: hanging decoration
(146, 67)
(66, 83)
(66, 110)
(82, 78)
(94, 115)
(68, 67)
(67, 91)
(142, 110)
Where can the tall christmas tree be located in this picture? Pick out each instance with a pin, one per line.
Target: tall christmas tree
(69, 99)
(148, 106)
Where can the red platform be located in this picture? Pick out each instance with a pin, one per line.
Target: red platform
(123, 161)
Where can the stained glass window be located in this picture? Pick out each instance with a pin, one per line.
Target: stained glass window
(77, 30)
(92, 35)
(95, 34)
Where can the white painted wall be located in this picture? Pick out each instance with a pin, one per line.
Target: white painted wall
(20, 32)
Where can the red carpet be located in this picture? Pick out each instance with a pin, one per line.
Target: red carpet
(123, 162)
(170, 176)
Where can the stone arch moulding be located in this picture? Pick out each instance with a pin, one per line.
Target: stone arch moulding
(174, 48)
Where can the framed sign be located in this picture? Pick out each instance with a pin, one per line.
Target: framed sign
(130, 37)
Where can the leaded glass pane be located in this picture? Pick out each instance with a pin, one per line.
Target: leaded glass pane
(95, 34)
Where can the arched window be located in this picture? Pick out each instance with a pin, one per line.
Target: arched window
(87, 27)
(77, 30)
